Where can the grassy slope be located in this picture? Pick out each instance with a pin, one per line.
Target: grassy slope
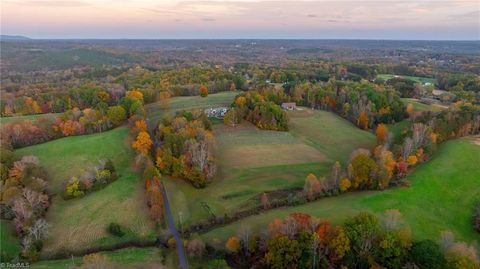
(27, 117)
(134, 257)
(417, 106)
(442, 196)
(191, 102)
(329, 133)
(154, 111)
(417, 79)
(81, 222)
(9, 243)
(398, 127)
(239, 182)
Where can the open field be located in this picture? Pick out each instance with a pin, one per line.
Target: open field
(80, 223)
(134, 257)
(149, 257)
(282, 161)
(441, 197)
(155, 112)
(9, 243)
(332, 135)
(397, 128)
(28, 117)
(417, 79)
(419, 106)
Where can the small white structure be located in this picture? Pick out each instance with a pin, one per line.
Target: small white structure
(289, 106)
(216, 112)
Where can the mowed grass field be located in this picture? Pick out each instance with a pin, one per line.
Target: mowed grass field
(82, 222)
(155, 112)
(131, 257)
(253, 161)
(417, 79)
(9, 243)
(397, 128)
(28, 117)
(442, 196)
(419, 106)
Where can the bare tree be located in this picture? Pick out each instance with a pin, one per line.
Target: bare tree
(419, 131)
(196, 247)
(30, 159)
(35, 200)
(39, 229)
(335, 177)
(27, 242)
(447, 240)
(264, 201)
(407, 148)
(290, 227)
(21, 209)
(244, 233)
(392, 219)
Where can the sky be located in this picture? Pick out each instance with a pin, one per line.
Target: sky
(225, 19)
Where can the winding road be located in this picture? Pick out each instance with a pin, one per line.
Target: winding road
(182, 258)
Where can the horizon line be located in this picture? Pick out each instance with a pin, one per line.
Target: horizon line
(27, 38)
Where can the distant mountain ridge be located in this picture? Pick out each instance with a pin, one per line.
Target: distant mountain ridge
(14, 37)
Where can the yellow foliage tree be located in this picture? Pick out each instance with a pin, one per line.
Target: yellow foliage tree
(412, 160)
(141, 125)
(382, 133)
(363, 120)
(143, 143)
(240, 101)
(345, 184)
(419, 153)
(434, 137)
(135, 94)
(164, 98)
(233, 244)
(95, 260)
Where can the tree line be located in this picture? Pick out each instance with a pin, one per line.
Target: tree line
(362, 241)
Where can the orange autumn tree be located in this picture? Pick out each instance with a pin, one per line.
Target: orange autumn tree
(203, 91)
(386, 165)
(412, 160)
(164, 99)
(410, 109)
(142, 143)
(141, 125)
(312, 186)
(135, 94)
(303, 220)
(275, 228)
(363, 120)
(381, 133)
(233, 244)
(323, 230)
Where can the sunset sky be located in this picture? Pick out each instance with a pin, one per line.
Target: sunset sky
(152, 19)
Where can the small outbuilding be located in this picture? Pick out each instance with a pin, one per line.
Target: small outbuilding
(289, 106)
(217, 112)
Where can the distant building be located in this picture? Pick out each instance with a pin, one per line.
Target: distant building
(429, 101)
(216, 112)
(289, 106)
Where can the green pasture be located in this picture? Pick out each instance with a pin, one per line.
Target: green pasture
(81, 223)
(442, 196)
